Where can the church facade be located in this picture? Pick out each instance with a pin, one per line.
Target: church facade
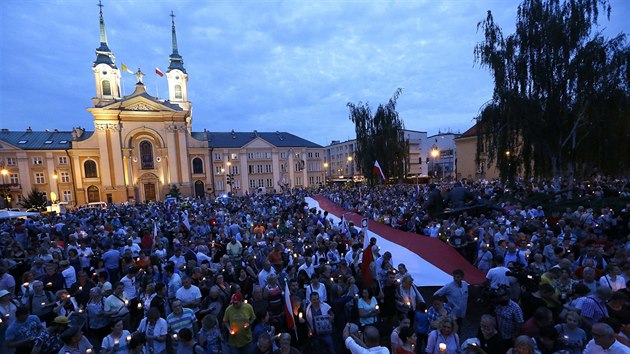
(142, 146)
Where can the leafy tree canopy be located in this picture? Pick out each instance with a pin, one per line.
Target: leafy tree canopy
(561, 102)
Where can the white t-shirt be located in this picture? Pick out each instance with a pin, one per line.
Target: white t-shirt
(188, 295)
(497, 277)
(70, 275)
(130, 287)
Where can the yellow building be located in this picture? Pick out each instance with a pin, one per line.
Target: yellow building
(467, 167)
(141, 146)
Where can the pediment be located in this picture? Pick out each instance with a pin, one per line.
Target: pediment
(143, 104)
(259, 143)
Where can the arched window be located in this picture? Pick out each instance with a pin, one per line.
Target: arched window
(93, 194)
(197, 165)
(178, 91)
(199, 189)
(89, 169)
(146, 155)
(107, 88)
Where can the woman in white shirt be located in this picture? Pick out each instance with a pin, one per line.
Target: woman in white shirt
(155, 329)
(612, 279)
(368, 308)
(117, 341)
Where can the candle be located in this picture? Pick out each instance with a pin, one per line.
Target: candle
(245, 301)
(49, 284)
(300, 315)
(332, 279)
(128, 338)
(116, 342)
(0, 320)
(295, 255)
(376, 307)
(126, 302)
(175, 336)
(233, 332)
(26, 285)
(246, 325)
(442, 348)
(43, 304)
(80, 310)
(88, 351)
(139, 305)
(80, 288)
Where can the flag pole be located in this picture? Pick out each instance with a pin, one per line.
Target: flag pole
(157, 93)
(123, 84)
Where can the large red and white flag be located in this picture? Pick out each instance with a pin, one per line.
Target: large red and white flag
(378, 170)
(288, 309)
(159, 72)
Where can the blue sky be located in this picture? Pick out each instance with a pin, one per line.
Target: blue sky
(258, 65)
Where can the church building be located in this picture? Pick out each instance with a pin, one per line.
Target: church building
(142, 146)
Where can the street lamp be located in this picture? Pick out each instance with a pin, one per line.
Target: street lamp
(435, 153)
(5, 188)
(350, 168)
(325, 173)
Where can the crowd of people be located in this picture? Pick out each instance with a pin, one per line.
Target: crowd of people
(266, 274)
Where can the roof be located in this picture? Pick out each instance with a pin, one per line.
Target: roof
(473, 131)
(240, 139)
(42, 140)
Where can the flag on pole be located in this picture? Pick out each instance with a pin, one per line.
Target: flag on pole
(367, 257)
(158, 71)
(378, 170)
(288, 309)
(125, 68)
(185, 220)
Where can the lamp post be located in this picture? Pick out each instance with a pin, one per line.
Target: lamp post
(325, 173)
(5, 199)
(53, 195)
(435, 153)
(350, 167)
(230, 179)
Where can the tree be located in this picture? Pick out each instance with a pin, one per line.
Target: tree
(380, 138)
(174, 192)
(561, 102)
(35, 200)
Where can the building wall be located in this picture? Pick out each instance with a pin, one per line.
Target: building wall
(466, 165)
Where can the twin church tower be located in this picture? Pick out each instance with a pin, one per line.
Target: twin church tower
(107, 75)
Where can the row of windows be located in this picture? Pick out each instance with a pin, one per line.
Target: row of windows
(37, 160)
(264, 155)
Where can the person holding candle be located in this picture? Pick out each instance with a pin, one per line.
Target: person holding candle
(65, 305)
(408, 339)
(97, 322)
(444, 340)
(572, 337)
(368, 308)
(116, 304)
(155, 330)
(41, 302)
(237, 319)
(116, 341)
(181, 317)
(75, 342)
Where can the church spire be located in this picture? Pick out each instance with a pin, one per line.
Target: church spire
(175, 60)
(103, 54)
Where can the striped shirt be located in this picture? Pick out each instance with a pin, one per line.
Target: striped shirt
(186, 320)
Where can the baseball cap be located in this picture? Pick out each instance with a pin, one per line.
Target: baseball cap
(237, 297)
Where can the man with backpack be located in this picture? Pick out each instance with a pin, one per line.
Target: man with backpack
(41, 302)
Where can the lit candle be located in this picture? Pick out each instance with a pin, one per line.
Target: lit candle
(295, 255)
(49, 284)
(175, 336)
(88, 351)
(126, 302)
(442, 348)
(246, 325)
(26, 285)
(233, 332)
(116, 342)
(332, 279)
(0, 320)
(245, 301)
(80, 288)
(139, 305)
(128, 338)
(80, 310)
(43, 304)
(376, 307)
(300, 315)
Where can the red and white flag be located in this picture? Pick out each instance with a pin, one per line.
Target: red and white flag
(158, 71)
(288, 309)
(378, 170)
